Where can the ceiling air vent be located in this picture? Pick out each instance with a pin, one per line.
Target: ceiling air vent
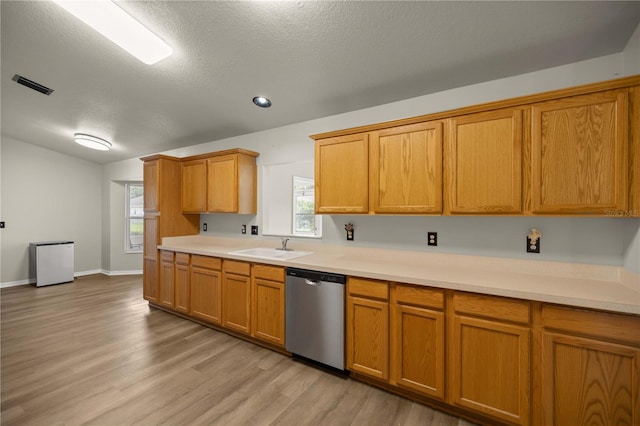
(32, 85)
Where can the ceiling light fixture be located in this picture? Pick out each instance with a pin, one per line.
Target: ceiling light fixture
(92, 142)
(121, 28)
(262, 102)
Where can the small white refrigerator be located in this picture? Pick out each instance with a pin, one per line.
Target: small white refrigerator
(51, 262)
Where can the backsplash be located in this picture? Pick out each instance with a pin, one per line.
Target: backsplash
(603, 241)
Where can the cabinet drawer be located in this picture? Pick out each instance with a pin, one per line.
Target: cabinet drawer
(239, 268)
(182, 258)
(206, 262)
(167, 256)
(272, 273)
(419, 296)
(607, 326)
(368, 288)
(517, 311)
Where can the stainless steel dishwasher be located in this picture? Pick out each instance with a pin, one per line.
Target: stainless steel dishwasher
(315, 316)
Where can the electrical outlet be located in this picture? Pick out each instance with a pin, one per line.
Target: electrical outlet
(432, 238)
(204, 226)
(254, 229)
(244, 229)
(533, 247)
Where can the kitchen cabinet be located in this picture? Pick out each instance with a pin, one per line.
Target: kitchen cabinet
(150, 258)
(489, 356)
(418, 339)
(342, 174)
(590, 367)
(206, 288)
(484, 162)
(579, 153)
(220, 182)
(162, 218)
(367, 327)
(182, 283)
(167, 278)
(268, 303)
(194, 186)
(236, 296)
(405, 169)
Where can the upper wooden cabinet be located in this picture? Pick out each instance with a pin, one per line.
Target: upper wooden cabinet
(579, 153)
(394, 171)
(405, 169)
(194, 186)
(220, 182)
(342, 174)
(484, 162)
(569, 151)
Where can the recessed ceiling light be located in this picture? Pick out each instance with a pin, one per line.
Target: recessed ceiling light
(262, 102)
(121, 28)
(92, 142)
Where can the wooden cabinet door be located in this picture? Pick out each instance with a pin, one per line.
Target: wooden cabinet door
(579, 154)
(342, 174)
(151, 174)
(405, 169)
(222, 184)
(206, 294)
(587, 381)
(150, 280)
(489, 368)
(194, 186)
(368, 337)
(268, 305)
(167, 278)
(484, 162)
(182, 286)
(417, 349)
(236, 302)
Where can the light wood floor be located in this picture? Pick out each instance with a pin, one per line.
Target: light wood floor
(93, 352)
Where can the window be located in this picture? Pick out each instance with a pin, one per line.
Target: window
(305, 222)
(134, 211)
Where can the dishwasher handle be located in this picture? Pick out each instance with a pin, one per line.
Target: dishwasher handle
(311, 282)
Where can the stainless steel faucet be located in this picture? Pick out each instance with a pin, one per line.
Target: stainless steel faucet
(284, 244)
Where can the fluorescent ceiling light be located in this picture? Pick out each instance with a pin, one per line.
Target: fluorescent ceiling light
(92, 142)
(114, 23)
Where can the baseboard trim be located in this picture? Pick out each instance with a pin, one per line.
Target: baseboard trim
(75, 274)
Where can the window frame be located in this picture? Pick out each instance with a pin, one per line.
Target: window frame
(128, 217)
(317, 233)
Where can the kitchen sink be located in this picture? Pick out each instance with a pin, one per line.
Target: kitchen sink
(270, 253)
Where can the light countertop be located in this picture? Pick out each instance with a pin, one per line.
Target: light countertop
(603, 287)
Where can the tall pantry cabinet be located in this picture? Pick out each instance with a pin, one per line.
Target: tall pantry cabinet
(162, 215)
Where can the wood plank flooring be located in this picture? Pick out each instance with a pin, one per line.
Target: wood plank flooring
(93, 352)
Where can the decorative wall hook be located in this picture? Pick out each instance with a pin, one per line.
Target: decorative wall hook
(349, 228)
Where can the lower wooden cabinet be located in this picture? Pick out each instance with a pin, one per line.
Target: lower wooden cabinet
(418, 339)
(368, 327)
(150, 280)
(489, 357)
(236, 296)
(268, 304)
(182, 283)
(206, 288)
(167, 278)
(590, 368)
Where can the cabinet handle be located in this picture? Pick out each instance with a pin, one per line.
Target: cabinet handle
(313, 283)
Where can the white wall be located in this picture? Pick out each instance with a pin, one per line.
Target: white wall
(48, 196)
(44, 209)
(114, 258)
(583, 240)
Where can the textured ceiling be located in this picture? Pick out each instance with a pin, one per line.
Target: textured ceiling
(312, 59)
